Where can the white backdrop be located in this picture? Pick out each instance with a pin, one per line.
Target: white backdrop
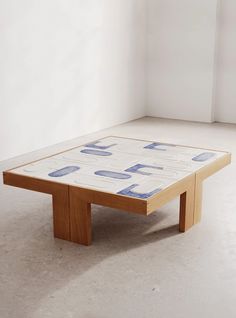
(181, 51)
(68, 68)
(226, 63)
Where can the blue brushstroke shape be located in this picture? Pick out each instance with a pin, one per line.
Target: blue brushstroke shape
(157, 146)
(128, 191)
(64, 171)
(96, 146)
(204, 156)
(136, 169)
(96, 152)
(112, 174)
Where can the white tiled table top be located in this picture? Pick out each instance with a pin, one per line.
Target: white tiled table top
(122, 166)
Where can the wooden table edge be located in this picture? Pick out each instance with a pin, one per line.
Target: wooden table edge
(113, 200)
(159, 199)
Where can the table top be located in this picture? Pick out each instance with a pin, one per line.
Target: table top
(123, 166)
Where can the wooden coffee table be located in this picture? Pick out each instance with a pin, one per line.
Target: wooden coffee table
(128, 174)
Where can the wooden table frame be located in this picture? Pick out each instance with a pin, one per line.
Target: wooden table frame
(72, 204)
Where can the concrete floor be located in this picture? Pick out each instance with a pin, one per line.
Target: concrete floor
(137, 266)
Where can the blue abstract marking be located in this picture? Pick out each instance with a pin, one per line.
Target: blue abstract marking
(136, 169)
(96, 152)
(64, 171)
(128, 191)
(158, 146)
(204, 156)
(96, 146)
(112, 174)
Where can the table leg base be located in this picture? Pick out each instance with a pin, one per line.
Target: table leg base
(61, 213)
(71, 218)
(198, 201)
(186, 212)
(80, 220)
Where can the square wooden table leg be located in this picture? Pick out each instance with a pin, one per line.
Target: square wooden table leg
(198, 201)
(186, 213)
(80, 219)
(61, 214)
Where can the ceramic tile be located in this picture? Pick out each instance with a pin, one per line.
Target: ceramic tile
(125, 166)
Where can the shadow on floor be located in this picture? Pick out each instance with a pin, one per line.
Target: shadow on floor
(35, 264)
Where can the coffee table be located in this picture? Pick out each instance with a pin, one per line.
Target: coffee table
(128, 174)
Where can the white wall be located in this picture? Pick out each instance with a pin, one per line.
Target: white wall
(225, 109)
(68, 68)
(181, 51)
(73, 67)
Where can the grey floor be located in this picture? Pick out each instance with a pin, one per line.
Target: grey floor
(137, 266)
